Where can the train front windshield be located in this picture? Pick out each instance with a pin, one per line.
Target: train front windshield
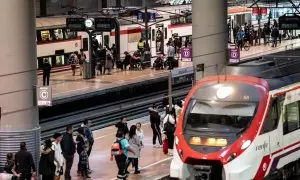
(226, 107)
(214, 116)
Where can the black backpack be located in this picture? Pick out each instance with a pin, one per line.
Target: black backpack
(169, 127)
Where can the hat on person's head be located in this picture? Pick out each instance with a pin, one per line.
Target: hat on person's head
(57, 135)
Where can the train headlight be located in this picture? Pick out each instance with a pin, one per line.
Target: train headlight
(231, 157)
(224, 92)
(246, 144)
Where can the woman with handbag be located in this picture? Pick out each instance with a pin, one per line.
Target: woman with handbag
(47, 166)
(169, 125)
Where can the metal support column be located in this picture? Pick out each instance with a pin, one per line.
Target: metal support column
(117, 39)
(209, 35)
(19, 113)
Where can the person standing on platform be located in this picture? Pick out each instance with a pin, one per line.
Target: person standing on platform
(169, 124)
(46, 73)
(275, 36)
(170, 54)
(58, 156)
(47, 166)
(68, 147)
(122, 125)
(24, 164)
(240, 39)
(84, 162)
(114, 54)
(89, 135)
(82, 60)
(155, 125)
(140, 133)
(81, 141)
(135, 143)
(73, 60)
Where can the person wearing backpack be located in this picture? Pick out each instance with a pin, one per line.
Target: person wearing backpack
(169, 124)
(82, 59)
(119, 150)
(47, 166)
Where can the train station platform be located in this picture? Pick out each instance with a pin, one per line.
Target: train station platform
(64, 85)
(153, 163)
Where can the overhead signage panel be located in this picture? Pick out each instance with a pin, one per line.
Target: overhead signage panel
(104, 24)
(75, 24)
(289, 22)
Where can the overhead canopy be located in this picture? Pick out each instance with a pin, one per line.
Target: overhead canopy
(50, 22)
(275, 3)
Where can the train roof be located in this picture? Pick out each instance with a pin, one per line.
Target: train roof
(279, 69)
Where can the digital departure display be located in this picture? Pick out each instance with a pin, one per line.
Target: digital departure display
(75, 24)
(289, 22)
(104, 24)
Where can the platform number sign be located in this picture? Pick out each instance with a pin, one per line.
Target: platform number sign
(234, 55)
(186, 54)
(44, 96)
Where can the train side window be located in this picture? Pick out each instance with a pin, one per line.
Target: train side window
(166, 33)
(292, 121)
(271, 121)
(106, 40)
(85, 44)
(153, 35)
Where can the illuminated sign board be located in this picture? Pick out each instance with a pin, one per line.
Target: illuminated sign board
(289, 22)
(76, 24)
(104, 24)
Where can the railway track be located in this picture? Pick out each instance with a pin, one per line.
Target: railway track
(108, 114)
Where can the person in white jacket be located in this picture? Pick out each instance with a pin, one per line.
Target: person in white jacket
(58, 156)
(169, 125)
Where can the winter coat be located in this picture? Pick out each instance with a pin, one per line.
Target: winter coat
(47, 166)
(154, 116)
(123, 127)
(135, 144)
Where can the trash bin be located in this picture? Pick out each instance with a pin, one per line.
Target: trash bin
(87, 70)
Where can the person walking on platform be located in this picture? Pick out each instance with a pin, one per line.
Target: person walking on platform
(58, 156)
(119, 150)
(73, 60)
(135, 143)
(24, 163)
(47, 166)
(169, 124)
(122, 125)
(46, 73)
(68, 147)
(155, 125)
(82, 60)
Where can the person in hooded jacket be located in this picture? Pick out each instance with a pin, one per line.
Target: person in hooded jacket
(122, 126)
(155, 125)
(47, 166)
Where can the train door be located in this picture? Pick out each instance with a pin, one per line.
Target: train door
(271, 128)
(291, 122)
(159, 39)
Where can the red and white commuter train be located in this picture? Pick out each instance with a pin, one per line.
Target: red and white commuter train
(241, 126)
(55, 42)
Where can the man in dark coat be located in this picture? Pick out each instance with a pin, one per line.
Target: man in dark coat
(46, 73)
(122, 125)
(24, 163)
(68, 147)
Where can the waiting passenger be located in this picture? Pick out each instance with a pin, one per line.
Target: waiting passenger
(25, 166)
(169, 124)
(58, 156)
(127, 60)
(73, 61)
(46, 73)
(135, 144)
(84, 162)
(47, 166)
(122, 126)
(140, 133)
(82, 60)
